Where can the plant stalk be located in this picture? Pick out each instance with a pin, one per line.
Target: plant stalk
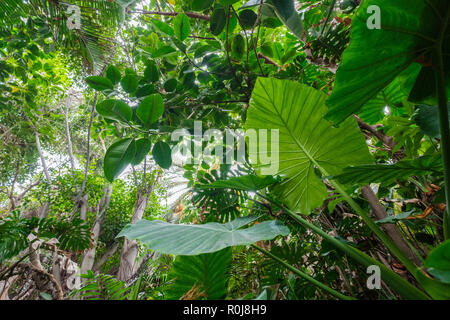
(387, 241)
(403, 287)
(303, 275)
(443, 121)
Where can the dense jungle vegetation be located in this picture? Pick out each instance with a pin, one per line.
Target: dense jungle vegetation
(340, 193)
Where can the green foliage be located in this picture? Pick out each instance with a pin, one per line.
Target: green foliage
(246, 183)
(72, 235)
(404, 37)
(129, 83)
(203, 276)
(385, 173)
(150, 109)
(183, 239)
(113, 74)
(231, 64)
(181, 26)
(162, 154)
(102, 287)
(427, 119)
(247, 18)
(99, 83)
(218, 21)
(438, 262)
(312, 142)
(114, 110)
(118, 156)
(286, 12)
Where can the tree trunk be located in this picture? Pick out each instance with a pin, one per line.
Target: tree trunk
(69, 140)
(89, 256)
(390, 229)
(108, 254)
(41, 155)
(130, 248)
(46, 206)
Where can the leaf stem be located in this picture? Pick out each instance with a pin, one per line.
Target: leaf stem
(387, 241)
(403, 287)
(303, 275)
(443, 121)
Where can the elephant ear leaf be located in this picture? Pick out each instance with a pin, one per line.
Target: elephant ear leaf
(407, 34)
(194, 239)
(285, 10)
(306, 141)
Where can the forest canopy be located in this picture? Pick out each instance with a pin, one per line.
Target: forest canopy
(224, 149)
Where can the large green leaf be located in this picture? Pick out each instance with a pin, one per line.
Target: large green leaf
(427, 118)
(129, 83)
(150, 109)
(408, 33)
(184, 239)
(246, 183)
(142, 149)
(181, 26)
(285, 10)
(99, 83)
(306, 140)
(436, 289)
(218, 21)
(390, 97)
(438, 262)
(200, 5)
(113, 74)
(162, 154)
(247, 18)
(208, 272)
(151, 73)
(118, 156)
(163, 27)
(386, 173)
(115, 110)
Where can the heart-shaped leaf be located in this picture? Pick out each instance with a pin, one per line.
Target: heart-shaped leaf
(408, 33)
(306, 141)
